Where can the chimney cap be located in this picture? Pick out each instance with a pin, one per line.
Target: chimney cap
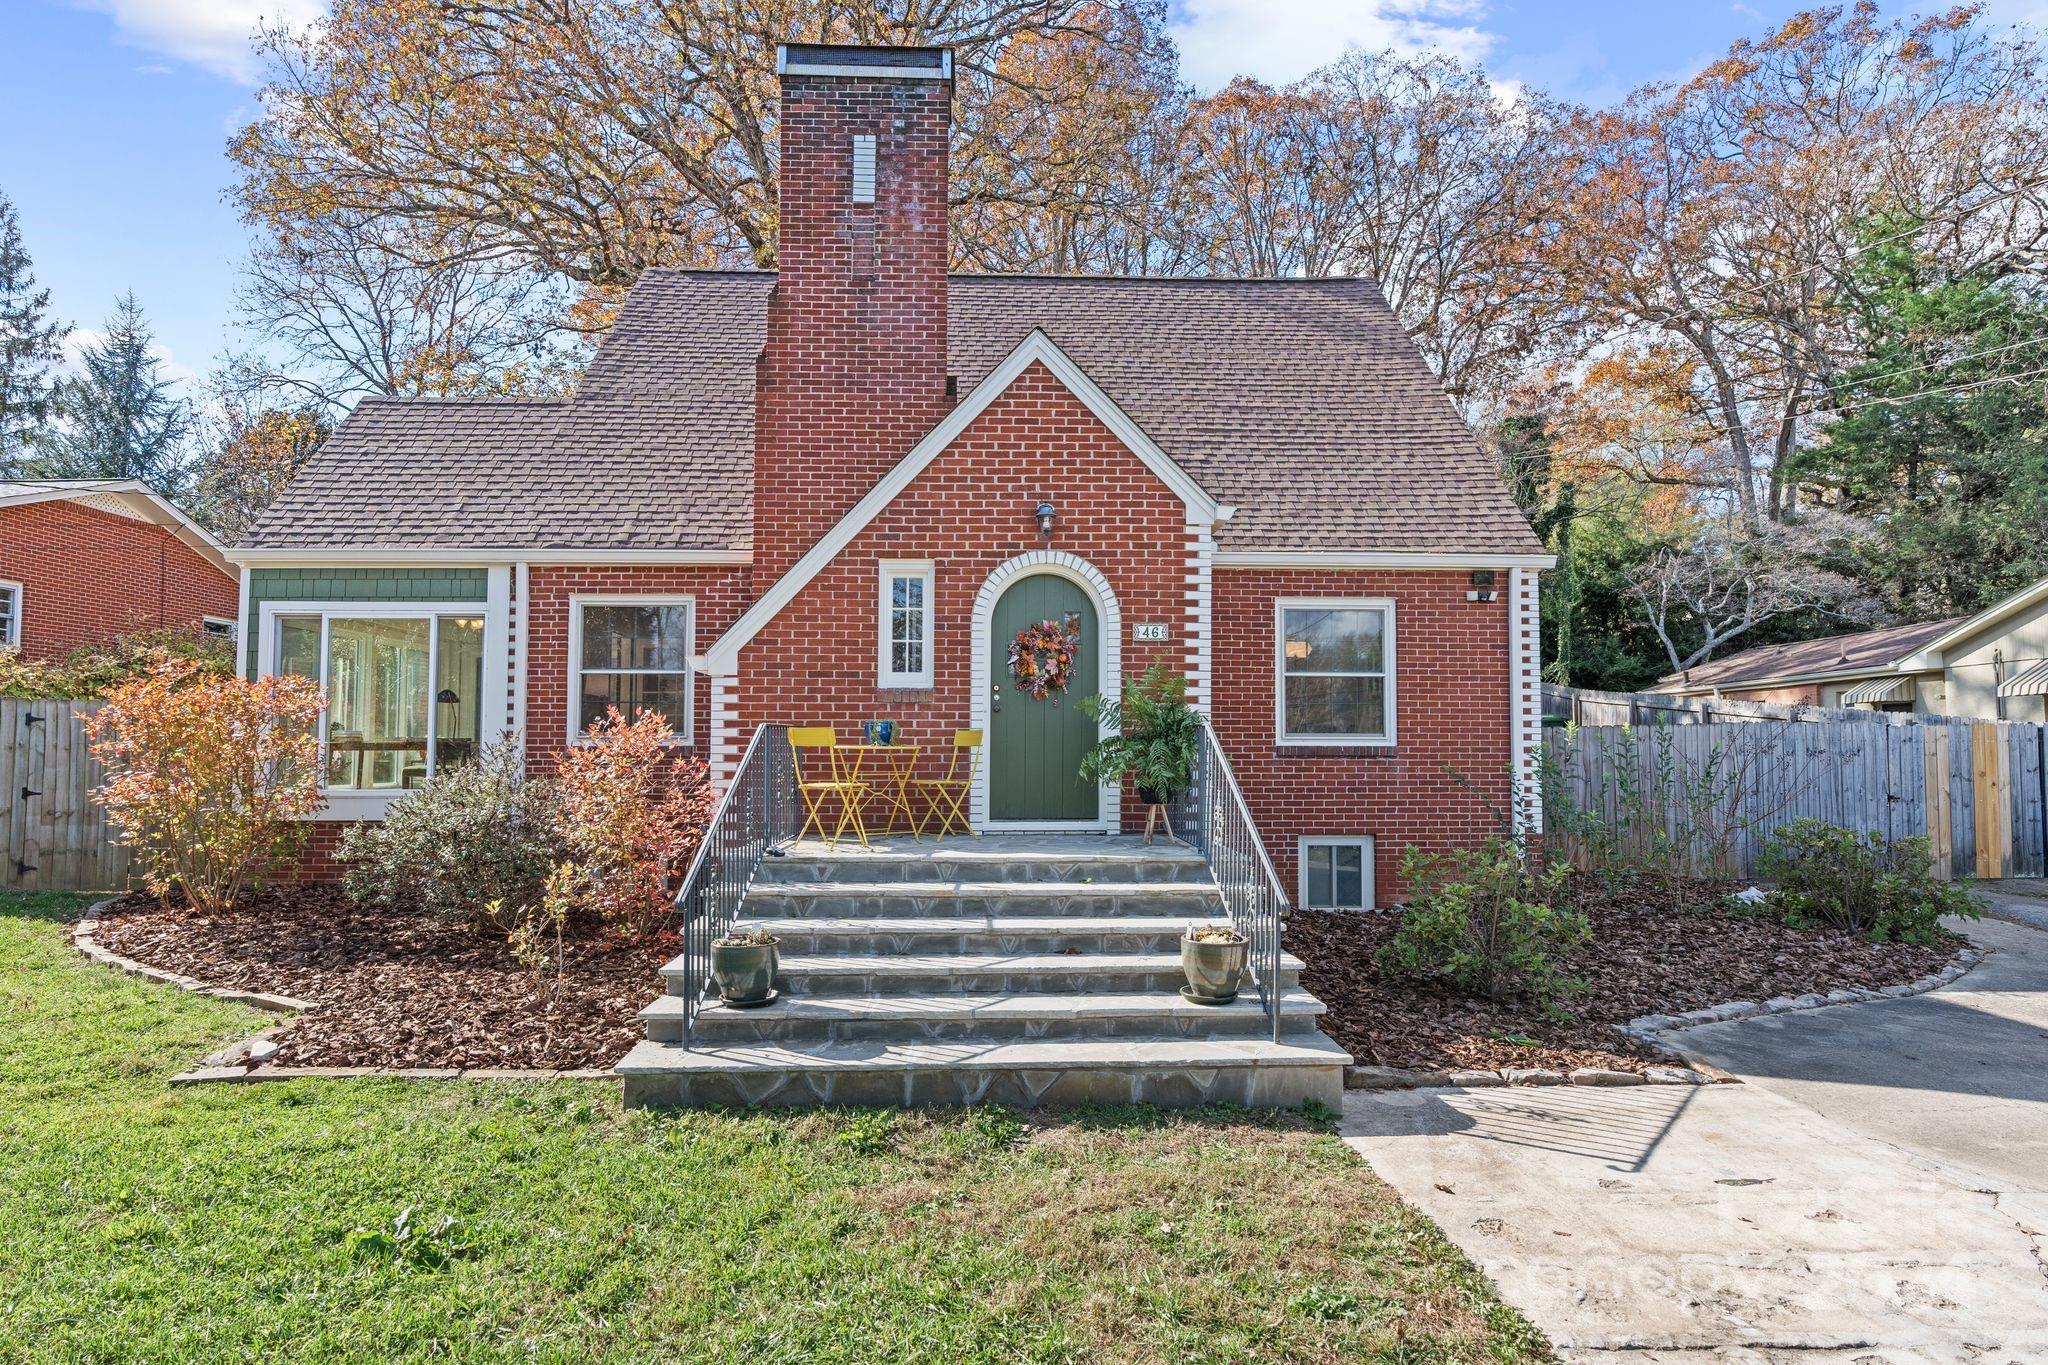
(884, 63)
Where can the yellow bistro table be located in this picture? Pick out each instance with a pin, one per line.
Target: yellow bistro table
(886, 769)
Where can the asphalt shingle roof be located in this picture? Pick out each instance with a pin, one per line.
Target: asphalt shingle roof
(1299, 402)
(1873, 650)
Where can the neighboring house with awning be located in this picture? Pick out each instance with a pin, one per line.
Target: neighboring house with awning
(1990, 666)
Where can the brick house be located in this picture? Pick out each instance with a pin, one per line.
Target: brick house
(830, 493)
(85, 560)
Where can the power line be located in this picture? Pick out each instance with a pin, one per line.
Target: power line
(1955, 360)
(1935, 393)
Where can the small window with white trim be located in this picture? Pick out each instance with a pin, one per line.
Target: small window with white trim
(1335, 671)
(218, 627)
(1337, 873)
(632, 653)
(10, 613)
(906, 624)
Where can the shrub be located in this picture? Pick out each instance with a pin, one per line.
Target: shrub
(633, 812)
(1878, 887)
(475, 843)
(95, 670)
(208, 775)
(1488, 919)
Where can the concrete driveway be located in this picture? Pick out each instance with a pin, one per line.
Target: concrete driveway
(1875, 1191)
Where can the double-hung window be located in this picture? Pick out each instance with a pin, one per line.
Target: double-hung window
(632, 653)
(1336, 872)
(906, 624)
(10, 614)
(405, 690)
(1335, 667)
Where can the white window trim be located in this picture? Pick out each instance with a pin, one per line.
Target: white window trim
(885, 676)
(12, 634)
(1368, 869)
(355, 803)
(686, 729)
(1281, 606)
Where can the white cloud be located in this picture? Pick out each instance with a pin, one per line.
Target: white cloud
(168, 366)
(1283, 40)
(210, 33)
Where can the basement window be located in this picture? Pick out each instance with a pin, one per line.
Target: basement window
(1337, 873)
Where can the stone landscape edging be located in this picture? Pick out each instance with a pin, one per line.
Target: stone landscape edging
(1652, 1030)
(248, 1060)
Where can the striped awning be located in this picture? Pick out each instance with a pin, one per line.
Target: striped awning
(1878, 689)
(2028, 682)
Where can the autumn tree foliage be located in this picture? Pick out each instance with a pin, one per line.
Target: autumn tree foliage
(632, 813)
(208, 775)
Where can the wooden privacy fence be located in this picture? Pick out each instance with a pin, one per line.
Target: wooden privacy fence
(52, 837)
(1705, 798)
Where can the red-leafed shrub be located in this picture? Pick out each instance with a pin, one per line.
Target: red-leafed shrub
(633, 812)
(208, 775)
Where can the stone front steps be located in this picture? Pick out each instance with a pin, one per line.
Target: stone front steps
(1020, 970)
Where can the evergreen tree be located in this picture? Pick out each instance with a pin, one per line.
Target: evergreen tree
(1942, 438)
(121, 420)
(31, 342)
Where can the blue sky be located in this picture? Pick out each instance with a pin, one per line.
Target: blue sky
(114, 114)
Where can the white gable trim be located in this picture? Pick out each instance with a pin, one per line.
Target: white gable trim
(131, 498)
(1933, 653)
(1202, 510)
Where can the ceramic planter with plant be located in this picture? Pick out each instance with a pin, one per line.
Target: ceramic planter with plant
(743, 967)
(1212, 957)
(1155, 740)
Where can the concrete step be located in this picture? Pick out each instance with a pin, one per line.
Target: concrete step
(987, 973)
(901, 899)
(977, 934)
(1171, 1072)
(961, 1017)
(995, 858)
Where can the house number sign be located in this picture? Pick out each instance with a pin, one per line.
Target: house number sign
(1148, 630)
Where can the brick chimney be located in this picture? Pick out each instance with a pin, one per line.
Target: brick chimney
(854, 370)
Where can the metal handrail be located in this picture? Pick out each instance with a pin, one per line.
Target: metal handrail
(757, 810)
(1219, 824)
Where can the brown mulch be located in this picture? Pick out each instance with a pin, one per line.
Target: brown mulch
(1656, 949)
(399, 988)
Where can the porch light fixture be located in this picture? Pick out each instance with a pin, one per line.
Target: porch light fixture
(1045, 513)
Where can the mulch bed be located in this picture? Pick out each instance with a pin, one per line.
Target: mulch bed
(399, 988)
(1656, 949)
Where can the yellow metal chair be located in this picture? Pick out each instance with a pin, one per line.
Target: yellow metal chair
(946, 797)
(838, 781)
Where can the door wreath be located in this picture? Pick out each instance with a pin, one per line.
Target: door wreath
(1042, 656)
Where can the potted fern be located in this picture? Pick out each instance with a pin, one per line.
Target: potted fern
(1155, 740)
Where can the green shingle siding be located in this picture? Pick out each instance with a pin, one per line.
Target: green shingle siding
(359, 585)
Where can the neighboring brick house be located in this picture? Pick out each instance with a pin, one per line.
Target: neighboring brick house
(85, 560)
(815, 495)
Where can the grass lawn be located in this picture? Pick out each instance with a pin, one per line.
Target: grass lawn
(309, 1220)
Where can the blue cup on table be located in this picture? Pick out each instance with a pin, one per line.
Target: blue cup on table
(885, 732)
(867, 732)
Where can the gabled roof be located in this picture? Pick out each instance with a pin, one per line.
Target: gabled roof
(1035, 349)
(1929, 655)
(1864, 652)
(1299, 402)
(121, 497)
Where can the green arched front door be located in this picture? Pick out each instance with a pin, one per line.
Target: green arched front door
(1035, 747)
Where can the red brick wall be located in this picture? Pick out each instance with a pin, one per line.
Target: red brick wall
(1451, 699)
(968, 512)
(721, 594)
(88, 576)
(854, 370)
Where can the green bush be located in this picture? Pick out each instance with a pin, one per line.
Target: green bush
(476, 843)
(1878, 887)
(91, 671)
(1488, 918)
